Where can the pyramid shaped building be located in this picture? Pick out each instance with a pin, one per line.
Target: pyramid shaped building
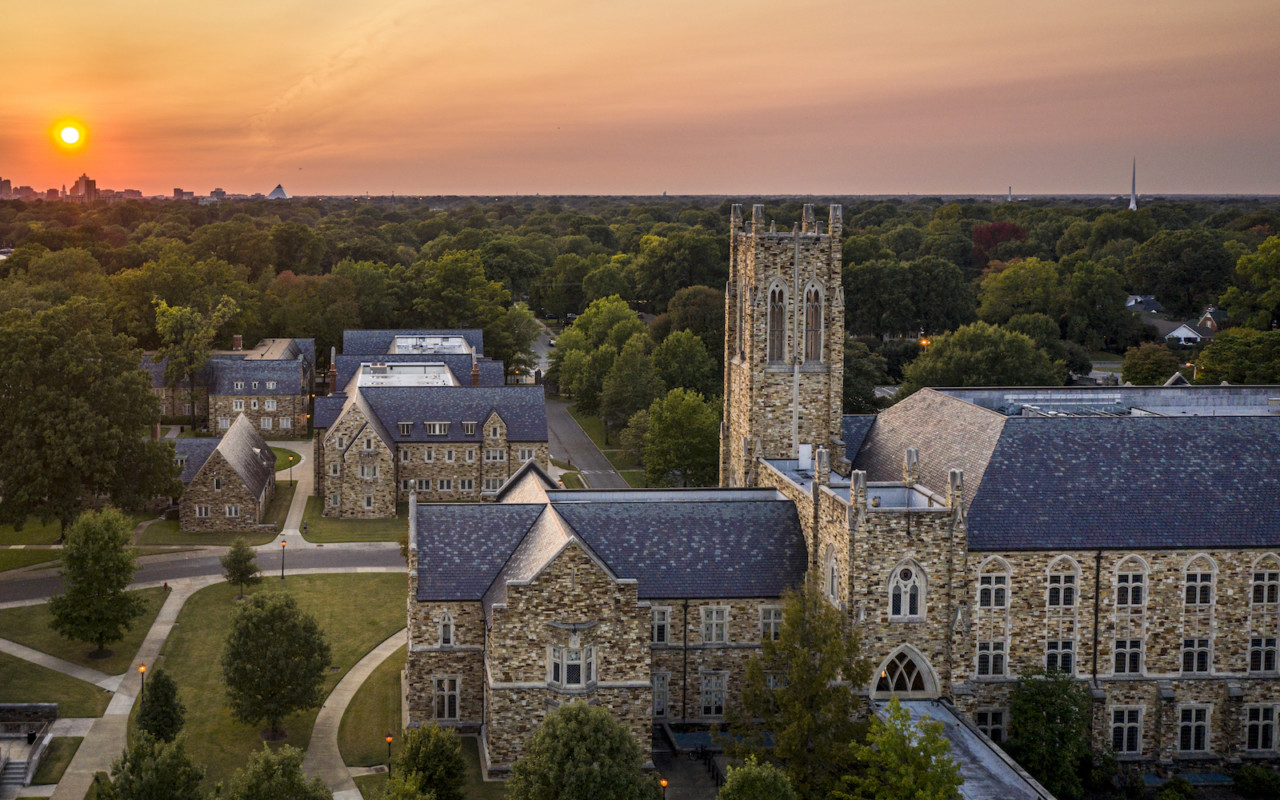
(278, 193)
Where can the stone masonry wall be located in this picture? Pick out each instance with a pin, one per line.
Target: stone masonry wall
(344, 445)
(200, 492)
(429, 658)
(292, 407)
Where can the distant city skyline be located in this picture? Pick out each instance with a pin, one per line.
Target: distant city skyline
(719, 98)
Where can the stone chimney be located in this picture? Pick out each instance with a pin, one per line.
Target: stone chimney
(237, 342)
(475, 372)
(911, 467)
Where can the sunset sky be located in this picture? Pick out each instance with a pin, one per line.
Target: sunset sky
(630, 97)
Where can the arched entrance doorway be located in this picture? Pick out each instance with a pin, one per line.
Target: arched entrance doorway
(905, 674)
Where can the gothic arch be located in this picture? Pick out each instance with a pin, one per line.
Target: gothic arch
(905, 673)
(1266, 561)
(907, 590)
(1200, 562)
(776, 322)
(814, 315)
(995, 581)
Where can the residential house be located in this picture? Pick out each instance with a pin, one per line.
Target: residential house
(229, 480)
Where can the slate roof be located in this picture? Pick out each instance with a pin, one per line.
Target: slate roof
(327, 410)
(746, 548)
(546, 538)
(288, 376)
(491, 372)
(462, 547)
(1131, 483)
(248, 454)
(522, 408)
(156, 370)
(196, 451)
(853, 430)
(365, 343)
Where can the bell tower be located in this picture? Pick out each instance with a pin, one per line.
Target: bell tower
(784, 342)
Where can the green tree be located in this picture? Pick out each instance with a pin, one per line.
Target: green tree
(186, 337)
(981, 355)
(940, 297)
(160, 712)
(902, 760)
(598, 322)
(631, 384)
(632, 436)
(153, 770)
(1030, 286)
(97, 565)
(65, 364)
(683, 362)
(1096, 316)
(667, 263)
(1255, 299)
(240, 565)
(1149, 364)
(581, 751)
(406, 786)
(699, 309)
(878, 300)
(682, 443)
(275, 775)
(297, 248)
(607, 280)
(582, 376)
(454, 292)
(1240, 355)
(275, 661)
(1049, 729)
(435, 754)
(512, 338)
(802, 690)
(863, 372)
(1184, 269)
(756, 781)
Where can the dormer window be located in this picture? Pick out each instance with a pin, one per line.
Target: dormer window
(255, 384)
(239, 384)
(436, 428)
(406, 428)
(180, 461)
(271, 384)
(469, 428)
(495, 432)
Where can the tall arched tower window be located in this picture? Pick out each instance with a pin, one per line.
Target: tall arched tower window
(813, 324)
(777, 323)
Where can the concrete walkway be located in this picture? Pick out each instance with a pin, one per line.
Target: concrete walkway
(323, 759)
(304, 474)
(99, 679)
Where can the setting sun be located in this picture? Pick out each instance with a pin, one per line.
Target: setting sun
(70, 135)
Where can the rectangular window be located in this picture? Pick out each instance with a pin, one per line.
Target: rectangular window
(271, 384)
(446, 697)
(1193, 729)
(469, 428)
(424, 484)
(715, 624)
(1195, 655)
(224, 422)
(990, 658)
(770, 623)
(429, 454)
(233, 512)
(495, 432)
(991, 722)
(713, 686)
(266, 423)
(404, 456)
(467, 484)
(448, 456)
(1262, 654)
(406, 428)
(495, 455)
(1129, 587)
(661, 693)
(1266, 588)
(406, 485)
(1126, 730)
(661, 626)
(342, 442)
(1059, 654)
(286, 423)
(217, 484)
(471, 455)
(1128, 656)
(186, 408)
(368, 444)
(255, 384)
(253, 404)
(436, 428)
(993, 591)
(445, 484)
(237, 405)
(202, 512)
(492, 484)
(333, 469)
(239, 384)
(333, 498)
(368, 470)
(1260, 728)
(1199, 589)
(270, 405)
(368, 501)
(526, 453)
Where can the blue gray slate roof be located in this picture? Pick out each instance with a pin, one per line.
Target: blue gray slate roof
(1130, 482)
(522, 408)
(365, 343)
(192, 453)
(288, 376)
(853, 429)
(491, 372)
(156, 370)
(327, 410)
(462, 547)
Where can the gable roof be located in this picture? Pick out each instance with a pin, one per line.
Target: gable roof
(853, 430)
(248, 454)
(378, 342)
(522, 408)
(463, 546)
(194, 452)
(1130, 482)
(288, 376)
(326, 410)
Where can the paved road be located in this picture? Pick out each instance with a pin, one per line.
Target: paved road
(569, 443)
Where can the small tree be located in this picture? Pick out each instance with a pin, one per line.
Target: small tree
(161, 713)
(151, 770)
(802, 691)
(682, 442)
(435, 754)
(902, 760)
(275, 661)
(581, 751)
(1049, 729)
(97, 565)
(275, 776)
(756, 781)
(407, 786)
(240, 565)
(1149, 364)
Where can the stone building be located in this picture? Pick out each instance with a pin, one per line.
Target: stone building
(427, 416)
(1128, 536)
(229, 480)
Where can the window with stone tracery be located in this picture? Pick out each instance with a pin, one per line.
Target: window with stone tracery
(1266, 582)
(993, 585)
(813, 324)
(777, 324)
(906, 593)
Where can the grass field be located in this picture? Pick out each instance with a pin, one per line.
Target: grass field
(373, 713)
(325, 529)
(621, 460)
(37, 532)
(634, 478)
(29, 625)
(16, 559)
(356, 612)
(278, 508)
(371, 785)
(283, 456)
(25, 682)
(166, 532)
(56, 758)
(572, 480)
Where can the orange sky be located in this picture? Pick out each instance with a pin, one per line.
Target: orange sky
(631, 97)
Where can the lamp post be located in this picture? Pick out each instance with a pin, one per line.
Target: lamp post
(142, 670)
(290, 469)
(389, 737)
(663, 783)
(282, 560)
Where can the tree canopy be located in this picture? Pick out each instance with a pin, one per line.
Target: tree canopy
(435, 755)
(1049, 729)
(682, 440)
(902, 760)
(275, 775)
(150, 769)
(97, 564)
(982, 355)
(160, 712)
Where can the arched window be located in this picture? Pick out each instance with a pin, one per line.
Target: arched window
(1266, 581)
(1131, 584)
(831, 575)
(446, 630)
(1063, 581)
(993, 584)
(777, 323)
(901, 675)
(906, 592)
(1198, 583)
(813, 324)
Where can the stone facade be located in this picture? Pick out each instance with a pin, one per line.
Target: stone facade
(271, 414)
(176, 403)
(218, 500)
(777, 394)
(356, 469)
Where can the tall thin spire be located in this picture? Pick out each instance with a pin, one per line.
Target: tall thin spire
(1133, 189)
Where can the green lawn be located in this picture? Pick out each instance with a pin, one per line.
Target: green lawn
(371, 786)
(356, 612)
(572, 480)
(283, 456)
(29, 625)
(278, 508)
(56, 758)
(166, 532)
(594, 428)
(634, 478)
(555, 462)
(25, 682)
(373, 713)
(34, 532)
(325, 529)
(14, 559)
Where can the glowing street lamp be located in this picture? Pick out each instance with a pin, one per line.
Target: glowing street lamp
(389, 737)
(142, 670)
(663, 784)
(282, 560)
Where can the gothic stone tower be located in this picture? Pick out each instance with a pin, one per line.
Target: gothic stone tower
(784, 342)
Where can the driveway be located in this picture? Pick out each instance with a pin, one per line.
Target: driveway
(568, 442)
